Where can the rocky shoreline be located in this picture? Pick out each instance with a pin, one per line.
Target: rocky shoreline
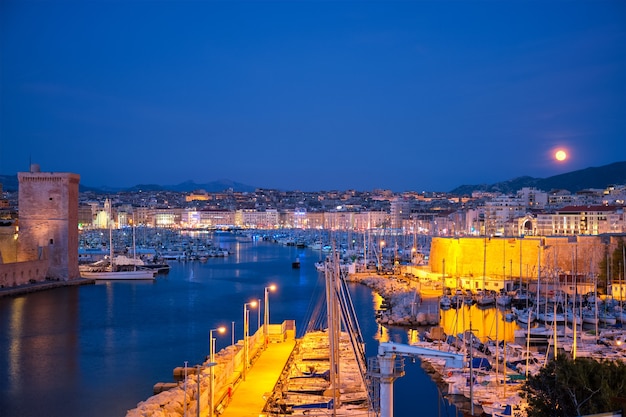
(406, 301)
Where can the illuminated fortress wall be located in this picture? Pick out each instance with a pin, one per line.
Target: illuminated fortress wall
(511, 257)
(48, 218)
(8, 244)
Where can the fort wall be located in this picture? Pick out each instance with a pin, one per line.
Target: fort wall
(526, 257)
(48, 218)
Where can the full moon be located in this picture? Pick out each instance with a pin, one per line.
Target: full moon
(560, 155)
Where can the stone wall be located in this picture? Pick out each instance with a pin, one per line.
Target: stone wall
(48, 218)
(511, 257)
(8, 244)
(21, 273)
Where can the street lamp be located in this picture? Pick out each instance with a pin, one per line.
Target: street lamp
(185, 385)
(380, 255)
(266, 315)
(212, 364)
(246, 325)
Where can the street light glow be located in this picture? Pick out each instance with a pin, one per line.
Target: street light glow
(220, 329)
(246, 320)
(266, 316)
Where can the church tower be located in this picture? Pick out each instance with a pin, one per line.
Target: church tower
(48, 221)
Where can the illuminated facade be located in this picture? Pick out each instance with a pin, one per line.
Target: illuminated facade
(199, 195)
(582, 220)
(514, 258)
(48, 218)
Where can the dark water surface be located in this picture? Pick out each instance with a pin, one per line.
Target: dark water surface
(97, 350)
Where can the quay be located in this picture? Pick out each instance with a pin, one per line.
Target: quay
(42, 286)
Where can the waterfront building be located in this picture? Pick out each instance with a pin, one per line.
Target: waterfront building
(314, 220)
(209, 218)
(167, 217)
(339, 220)
(582, 220)
(268, 219)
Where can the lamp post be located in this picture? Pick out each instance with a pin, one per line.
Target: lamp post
(246, 325)
(380, 256)
(211, 365)
(198, 370)
(266, 315)
(185, 385)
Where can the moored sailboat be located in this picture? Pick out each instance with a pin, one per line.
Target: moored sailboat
(117, 268)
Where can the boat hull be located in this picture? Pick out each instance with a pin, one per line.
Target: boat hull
(119, 275)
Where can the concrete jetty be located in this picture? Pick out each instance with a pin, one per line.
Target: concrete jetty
(250, 396)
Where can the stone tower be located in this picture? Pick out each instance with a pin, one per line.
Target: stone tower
(48, 221)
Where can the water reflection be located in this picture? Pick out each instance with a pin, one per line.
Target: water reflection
(37, 326)
(15, 335)
(485, 323)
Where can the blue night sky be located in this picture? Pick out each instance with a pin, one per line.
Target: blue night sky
(312, 95)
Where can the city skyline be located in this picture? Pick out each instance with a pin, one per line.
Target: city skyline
(312, 95)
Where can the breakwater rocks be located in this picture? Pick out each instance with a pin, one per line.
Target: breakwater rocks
(402, 302)
(178, 399)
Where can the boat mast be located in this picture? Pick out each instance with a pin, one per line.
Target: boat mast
(134, 247)
(575, 279)
(332, 278)
(621, 284)
(520, 265)
(109, 221)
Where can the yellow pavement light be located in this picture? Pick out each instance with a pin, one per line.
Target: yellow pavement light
(247, 399)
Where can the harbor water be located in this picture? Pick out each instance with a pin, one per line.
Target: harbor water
(97, 350)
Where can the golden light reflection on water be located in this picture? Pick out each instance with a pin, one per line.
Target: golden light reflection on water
(17, 309)
(486, 324)
(382, 335)
(39, 326)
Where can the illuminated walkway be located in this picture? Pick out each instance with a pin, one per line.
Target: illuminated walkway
(247, 399)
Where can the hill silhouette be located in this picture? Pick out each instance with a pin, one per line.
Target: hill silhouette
(593, 177)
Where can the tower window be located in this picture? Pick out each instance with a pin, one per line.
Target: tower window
(51, 241)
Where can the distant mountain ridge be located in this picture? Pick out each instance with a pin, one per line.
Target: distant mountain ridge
(10, 183)
(188, 186)
(593, 177)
